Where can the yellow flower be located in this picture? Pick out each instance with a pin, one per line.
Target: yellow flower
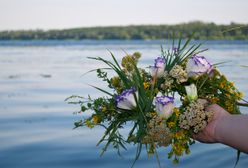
(176, 111)
(239, 95)
(89, 124)
(214, 99)
(222, 85)
(171, 124)
(146, 85)
(104, 109)
(96, 119)
(232, 84)
(178, 149)
(115, 81)
(229, 106)
(128, 62)
(153, 114)
(228, 95)
(179, 135)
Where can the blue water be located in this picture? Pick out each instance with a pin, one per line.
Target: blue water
(36, 124)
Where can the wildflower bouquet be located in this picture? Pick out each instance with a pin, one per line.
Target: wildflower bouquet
(145, 100)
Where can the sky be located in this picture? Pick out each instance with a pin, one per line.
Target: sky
(60, 14)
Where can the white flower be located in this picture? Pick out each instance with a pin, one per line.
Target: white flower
(126, 99)
(198, 65)
(158, 69)
(164, 106)
(191, 91)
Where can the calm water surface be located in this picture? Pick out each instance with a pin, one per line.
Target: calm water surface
(36, 124)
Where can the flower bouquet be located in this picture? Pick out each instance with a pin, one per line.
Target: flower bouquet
(161, 104)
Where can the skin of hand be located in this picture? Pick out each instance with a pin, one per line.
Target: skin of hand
(208, 135)
(231, 130)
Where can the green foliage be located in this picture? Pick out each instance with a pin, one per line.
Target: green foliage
(203, 31)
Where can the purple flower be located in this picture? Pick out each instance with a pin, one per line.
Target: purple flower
(126, 99)
(198, 65)
(158, 69)
(164, 106)
(175, 50)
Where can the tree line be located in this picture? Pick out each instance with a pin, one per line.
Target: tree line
(210, 31)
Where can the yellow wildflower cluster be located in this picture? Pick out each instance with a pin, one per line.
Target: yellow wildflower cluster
(171, 124)
(229, 106)
(226, 84)
(212, 99)
(230, 89)
(116, 83)
(96, 119)
(129, 61)
(89, 124)
(176, 111)
(239, 95)
(231, 93)
(180, 135)
(104, 109)
(146, 85)
(179, 144)
(178, 149)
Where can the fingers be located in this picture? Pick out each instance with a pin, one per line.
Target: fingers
(218, 110)
(203, 137)
(199, 137)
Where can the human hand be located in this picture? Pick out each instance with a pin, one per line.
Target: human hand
(209, 135)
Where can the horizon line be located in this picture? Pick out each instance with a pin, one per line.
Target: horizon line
(124, 25)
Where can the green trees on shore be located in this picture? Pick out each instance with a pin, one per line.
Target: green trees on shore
(202, 30)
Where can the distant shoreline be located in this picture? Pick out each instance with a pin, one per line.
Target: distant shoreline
(203, 31)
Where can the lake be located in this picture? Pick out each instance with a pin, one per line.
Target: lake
(36, 125)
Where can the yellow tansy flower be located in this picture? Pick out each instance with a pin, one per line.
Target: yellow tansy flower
(115, 81)
(89, 124)
(176, 111)
(214, 99)
(146, 85)
(104, 109)
(96, 119)
(171, 124)
(232, 84)
(179, 135)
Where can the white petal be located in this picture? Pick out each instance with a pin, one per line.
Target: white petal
(128, 103)
(164, 111)
(191, 91)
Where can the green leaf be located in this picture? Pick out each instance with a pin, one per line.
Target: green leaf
(237, 159)
(104, 91)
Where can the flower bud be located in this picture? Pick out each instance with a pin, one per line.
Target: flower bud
(191, 91)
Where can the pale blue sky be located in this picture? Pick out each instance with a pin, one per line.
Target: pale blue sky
(53, 14)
